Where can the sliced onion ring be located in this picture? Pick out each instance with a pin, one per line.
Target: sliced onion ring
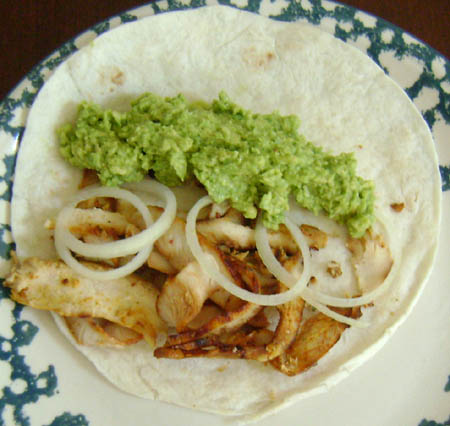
(271, 262)
(283, 275)
(209, 266)
(345, 302)
(129, 245)
(300, 216)
(143, 244)
(332, 314)
(122, 271)
(61, 235)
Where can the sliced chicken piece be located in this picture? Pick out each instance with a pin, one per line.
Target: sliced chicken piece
(217, 346)
(208, 312)
(104, 203)
(96, 225)
(257, 337)
(52, 285)
(132, 215)
(173, 245)
(317, 239)
(223, 231)
(104, 225)
(225, 300)
(90, 177)
(317, 336)
(238, 236)
(173, 253)
(100, 332)
(157, 261)
(371, 259)
(227, 322)
(183, 296)
(260, 320)
(193, 343)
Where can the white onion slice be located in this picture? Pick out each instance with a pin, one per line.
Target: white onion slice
(132, 244)
(209, 266)
(330, 313)
(301, 216)
(111, 274)
(345, 302)
(283, 275)
(143, 244)
(271, 262)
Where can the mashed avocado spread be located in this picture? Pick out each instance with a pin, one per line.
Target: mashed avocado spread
(254, 161)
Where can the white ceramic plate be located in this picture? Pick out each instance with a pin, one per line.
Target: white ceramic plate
(44, 381)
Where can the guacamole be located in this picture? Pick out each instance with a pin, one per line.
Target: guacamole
(255, 161)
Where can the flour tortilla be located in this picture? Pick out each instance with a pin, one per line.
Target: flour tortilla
(346, 103)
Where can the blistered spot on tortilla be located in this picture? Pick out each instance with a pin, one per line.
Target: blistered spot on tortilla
(222, 368)
(110, 78)
(257, 59)
(397, 207)
(272, 395)
(118, 78)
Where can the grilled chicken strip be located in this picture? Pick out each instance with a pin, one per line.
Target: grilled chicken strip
(226, 231)
(210, 341)
(173, 245)
(184, 294)
(317, 336)
(228, 320)
(192, 343)
(52, 285)
(371, 259)
(157, 261)
(100, 332)
(101, 224)
(95, 225)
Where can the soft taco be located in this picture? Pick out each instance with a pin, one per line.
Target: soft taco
(226, 358)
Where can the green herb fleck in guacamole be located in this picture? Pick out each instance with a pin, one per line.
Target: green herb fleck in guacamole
(255, 161)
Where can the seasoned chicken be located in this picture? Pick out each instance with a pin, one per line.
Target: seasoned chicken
(173, 245)
(208, 340)
(157, 261)
(100, 332)
(371, 259)
(95, 225)
(52, 285)
(208, 312)
(101, 224)
(223, 231)
(226, 231)
(317, 336)
(226, 322)
(317, 239)
(214, 339)
(184, 294)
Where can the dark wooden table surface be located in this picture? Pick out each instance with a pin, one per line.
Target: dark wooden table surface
(32, 29)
